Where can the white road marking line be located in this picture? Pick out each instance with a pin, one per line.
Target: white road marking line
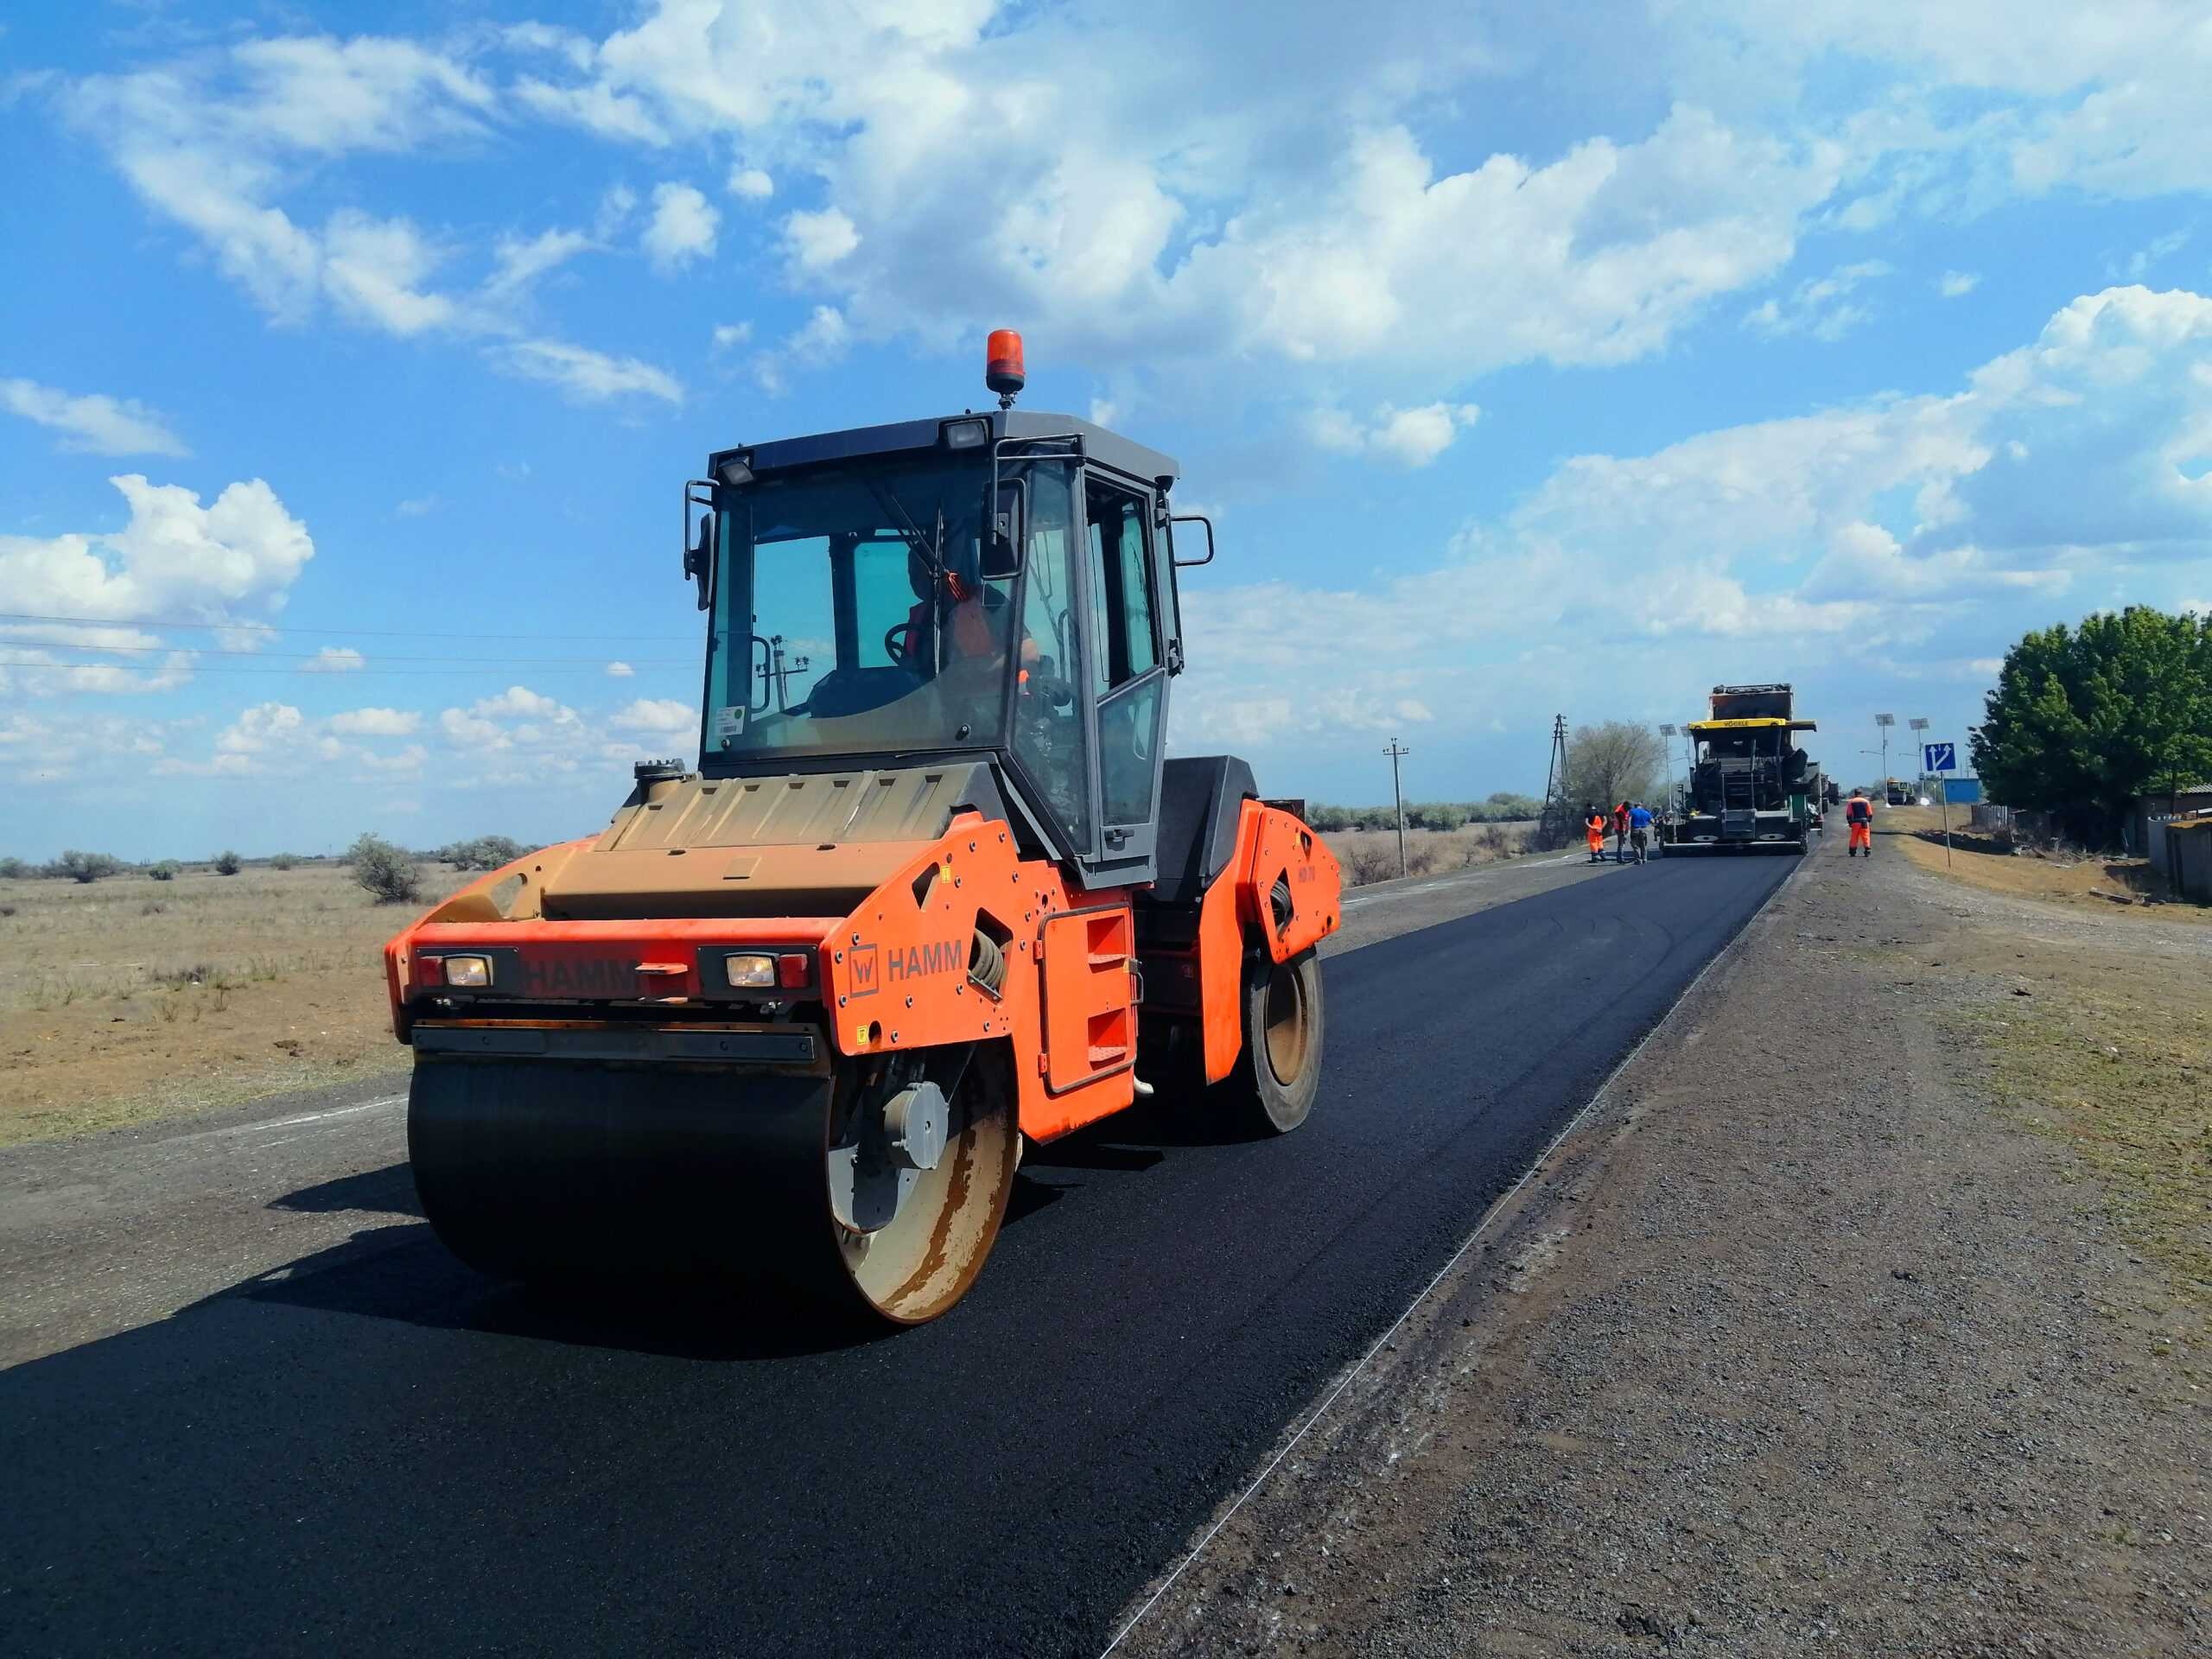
(1359, 900)
(1542, 1161)
(378, 1104)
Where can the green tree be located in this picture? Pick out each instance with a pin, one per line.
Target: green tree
(1615, 762)
(228, 862)
(2084, 719)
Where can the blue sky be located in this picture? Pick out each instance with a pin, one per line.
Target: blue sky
(1527, 363)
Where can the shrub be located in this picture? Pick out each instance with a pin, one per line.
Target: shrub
(386, 870)
(283, 861)
(1371, 861)
(228, 863)
(165, 871)
(14, 869)
(85, 866)
(1507, 807)
(485, 852)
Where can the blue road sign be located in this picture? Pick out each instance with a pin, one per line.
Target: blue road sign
(1942, 757)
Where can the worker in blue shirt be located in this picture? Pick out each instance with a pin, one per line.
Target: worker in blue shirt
(1639, 830)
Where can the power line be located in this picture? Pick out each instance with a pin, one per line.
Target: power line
(262, 627)
(297, 673)
(319, 656)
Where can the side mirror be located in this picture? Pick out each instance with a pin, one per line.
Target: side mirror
(699, 545)
(1189, 519)
(1008, 530)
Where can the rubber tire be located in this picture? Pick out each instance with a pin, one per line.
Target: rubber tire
(1260, 1100)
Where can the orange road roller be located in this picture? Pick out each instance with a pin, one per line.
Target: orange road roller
(930, 888)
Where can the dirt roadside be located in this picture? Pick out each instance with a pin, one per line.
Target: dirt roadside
(1839, 1324)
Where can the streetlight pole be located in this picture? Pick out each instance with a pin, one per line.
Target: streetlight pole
(1398, 799)
(1885, 721)
(1667, 733)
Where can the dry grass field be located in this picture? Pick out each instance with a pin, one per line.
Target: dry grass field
(129, 998)
(1372, 855)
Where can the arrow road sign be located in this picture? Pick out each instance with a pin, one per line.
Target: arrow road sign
(1942, 757)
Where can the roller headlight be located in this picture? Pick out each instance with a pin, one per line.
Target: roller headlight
(750, 972)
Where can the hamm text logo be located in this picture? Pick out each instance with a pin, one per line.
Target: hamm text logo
(593, 976)
(919, 960)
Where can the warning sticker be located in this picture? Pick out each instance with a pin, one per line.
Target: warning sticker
(730, 722)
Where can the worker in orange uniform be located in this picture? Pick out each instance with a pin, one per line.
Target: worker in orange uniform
(1595, 823)
(1620, 833)
(1859, 813)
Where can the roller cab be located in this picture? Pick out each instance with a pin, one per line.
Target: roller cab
(930, 888)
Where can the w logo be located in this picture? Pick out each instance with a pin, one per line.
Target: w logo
(860, 967)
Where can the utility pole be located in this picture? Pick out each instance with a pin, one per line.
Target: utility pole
(1885, 721)
(1552, 831)
(1667, 735)
(1398, 799)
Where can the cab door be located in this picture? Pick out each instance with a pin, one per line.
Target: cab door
(1128, 675)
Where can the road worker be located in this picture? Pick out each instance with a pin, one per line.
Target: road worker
(1620, 833)
(1639, 830)
(1859, 813)
(1594, 822)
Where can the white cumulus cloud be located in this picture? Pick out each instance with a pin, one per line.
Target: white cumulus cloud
(681, 228)
(277, 740)
(585, 375)
(175, 558)
(334, 659)
(375, 723)
(93, 422)
(655, 714)
(1407, 438)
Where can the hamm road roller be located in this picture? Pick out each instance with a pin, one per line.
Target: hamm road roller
(930, 889)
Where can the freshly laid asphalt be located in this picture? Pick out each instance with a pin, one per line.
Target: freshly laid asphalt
(375, 1451)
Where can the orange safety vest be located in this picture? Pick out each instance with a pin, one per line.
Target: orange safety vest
(1859, 809)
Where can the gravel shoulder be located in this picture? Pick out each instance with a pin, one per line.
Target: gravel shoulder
(1836, 1324)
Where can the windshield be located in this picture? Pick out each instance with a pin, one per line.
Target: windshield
(860, 611)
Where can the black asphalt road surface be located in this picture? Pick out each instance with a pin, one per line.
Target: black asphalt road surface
(377, 1451)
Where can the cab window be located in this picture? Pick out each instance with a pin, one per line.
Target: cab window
(1121, 586)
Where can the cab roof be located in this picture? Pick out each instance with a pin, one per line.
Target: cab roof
(904, 437)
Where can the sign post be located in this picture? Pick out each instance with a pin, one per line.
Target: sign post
(1943, 760)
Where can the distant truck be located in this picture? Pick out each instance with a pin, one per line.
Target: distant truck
(1749, 784)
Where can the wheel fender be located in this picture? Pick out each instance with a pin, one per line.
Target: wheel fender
(1290, 888)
